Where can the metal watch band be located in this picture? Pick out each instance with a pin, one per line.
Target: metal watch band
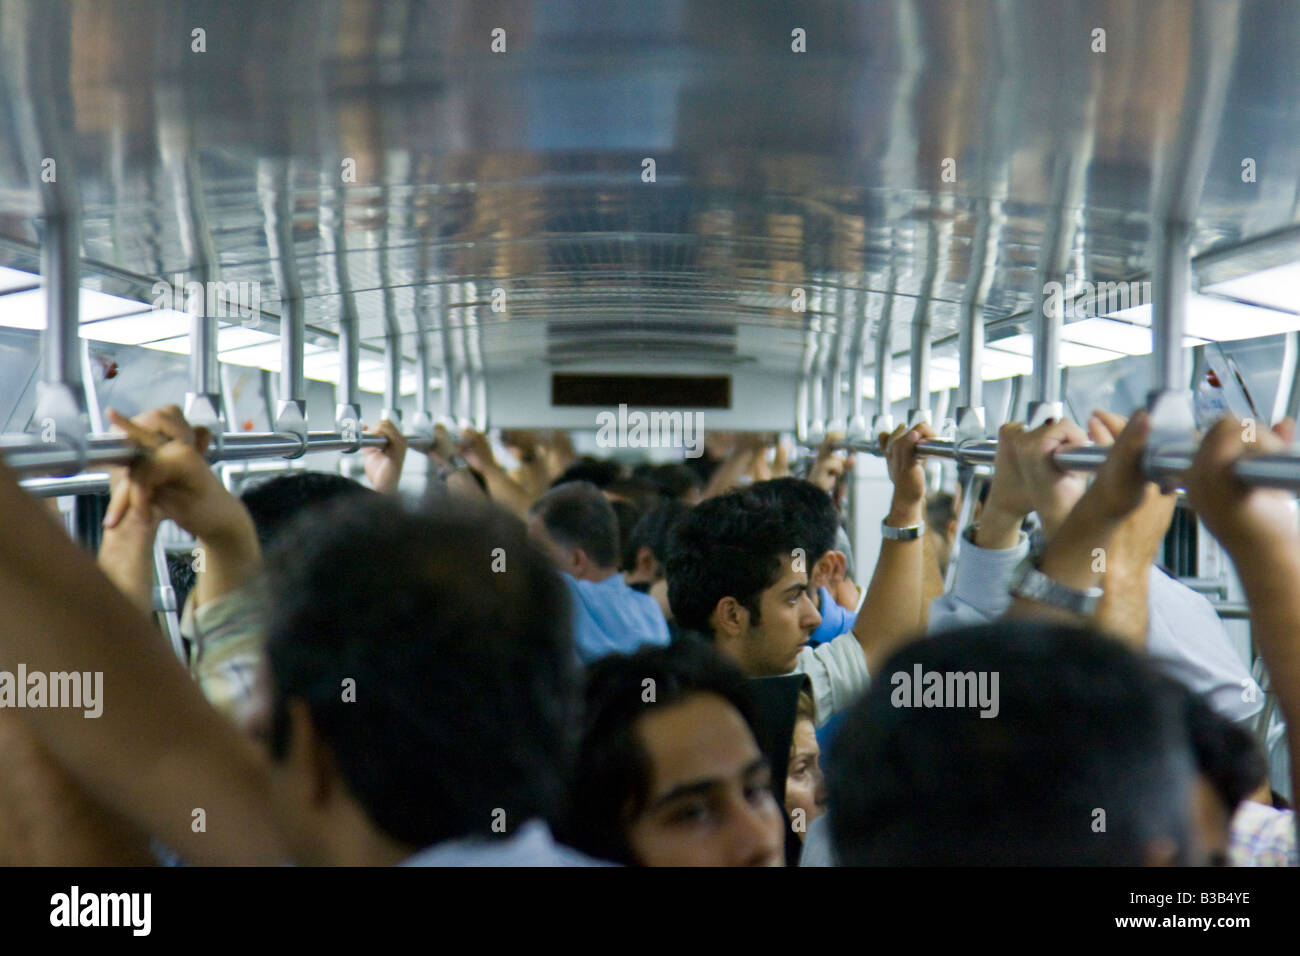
(910, 533)
(1029, 582)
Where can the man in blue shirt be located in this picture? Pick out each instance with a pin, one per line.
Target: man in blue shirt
(575, 524)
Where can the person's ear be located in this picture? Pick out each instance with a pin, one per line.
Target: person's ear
(578, 562)
(832, 568)
(730, 618)
(310, 755)
(1161, 851)
(647, 566)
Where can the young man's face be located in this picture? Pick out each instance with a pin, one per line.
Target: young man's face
(786, 617)
(710, 801)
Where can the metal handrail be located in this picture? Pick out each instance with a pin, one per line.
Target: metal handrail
(32, 458)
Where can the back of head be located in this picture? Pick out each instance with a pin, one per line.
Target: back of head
(728, 546)
(463, 688)
(653, 531)
(1084, 759)
(1227, 755)
(275, 502)
(613, 775)
(626, 516)
(674, 480)
(577, 515)
(597, 471)
(809, 510)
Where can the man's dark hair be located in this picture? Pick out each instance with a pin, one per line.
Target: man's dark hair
(600, 472)
(275, 502)
(654, 531)
(728, 546)
(613, 775)
(1226, 753)
(640, 492)
(465, 681)
(809, 510)
(577, 515)
(626, 515)
(1083, 727)
(674, 480)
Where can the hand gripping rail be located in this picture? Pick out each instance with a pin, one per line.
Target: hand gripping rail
(1163, 464)
(33, 459)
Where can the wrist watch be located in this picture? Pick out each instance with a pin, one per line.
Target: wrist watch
(910, 533)
(1029, 582)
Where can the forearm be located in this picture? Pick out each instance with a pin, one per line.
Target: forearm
(999, 527)
(126, 558)
(1124, 609)
(1073, 557)
(227, 559)
(157, 751)
(1271, 578)
(506, 491)
(892, 606)
(728, 474)
(931, 579)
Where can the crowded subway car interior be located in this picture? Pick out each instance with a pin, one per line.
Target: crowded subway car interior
(656, 433)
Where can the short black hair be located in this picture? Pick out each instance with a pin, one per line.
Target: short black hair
(612, 780)
(626, 514)
(465, 677)
(809, 510)
(600, 472)
(654, 531)
(1084, 727)
(731, 545)
(275, 502)
(673, 479)
(1226, 753)
(577, 515)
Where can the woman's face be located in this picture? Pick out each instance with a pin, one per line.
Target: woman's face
(805, 787)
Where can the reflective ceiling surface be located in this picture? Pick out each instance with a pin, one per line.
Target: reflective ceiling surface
(915, 147)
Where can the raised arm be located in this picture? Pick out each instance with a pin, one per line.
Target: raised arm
(891, 610)
(1257, 527)
(157, 752)
(1124, 611)
(174, 476)
(384, 465)
(1072, 554)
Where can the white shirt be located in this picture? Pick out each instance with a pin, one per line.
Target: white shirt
(838, 673)
(531, 845)
(1185, 637)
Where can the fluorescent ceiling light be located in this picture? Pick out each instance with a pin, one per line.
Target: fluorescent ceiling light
(1072, 353)
(138, 329)
(1116, 335)
(373, 381)
(26, 310)
(17, 279)
(1218, 320)
(231, 337)
(1278, 287)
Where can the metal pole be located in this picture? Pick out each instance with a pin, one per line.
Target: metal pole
(333, 234)
(920, 352)
(176, 142)
(884, 418)
(277, 208)
(858, 429)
